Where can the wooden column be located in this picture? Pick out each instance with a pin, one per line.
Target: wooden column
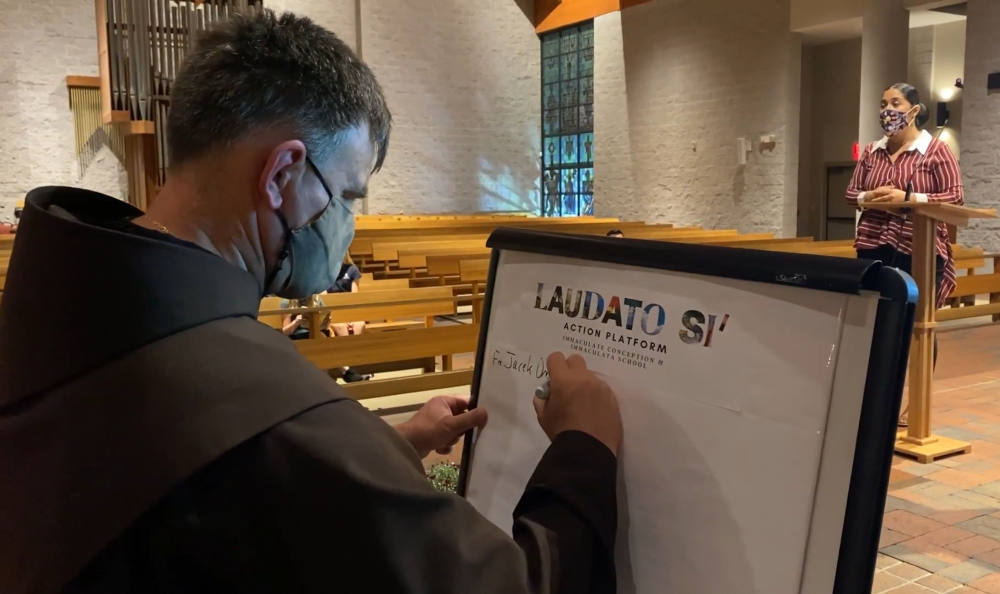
(140, 162)
(922, 347)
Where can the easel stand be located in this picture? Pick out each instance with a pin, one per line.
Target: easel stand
(918, 442)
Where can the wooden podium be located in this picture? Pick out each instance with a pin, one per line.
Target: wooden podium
(918, 441)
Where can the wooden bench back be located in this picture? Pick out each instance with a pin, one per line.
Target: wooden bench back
(386, 347)
(363, 226)
(272, 320)
(362, 243)
(474, 270)
(375, 306)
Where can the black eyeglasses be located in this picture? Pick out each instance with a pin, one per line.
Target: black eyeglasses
(319, 175)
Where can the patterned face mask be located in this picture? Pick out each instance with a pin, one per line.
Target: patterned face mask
(893, 121)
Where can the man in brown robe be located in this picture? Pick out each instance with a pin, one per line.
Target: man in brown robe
(154, 437)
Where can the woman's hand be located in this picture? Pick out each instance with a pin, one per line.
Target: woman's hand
(291, 325)
(885, 194)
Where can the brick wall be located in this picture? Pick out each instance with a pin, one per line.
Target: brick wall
(693, 76)
(40, 43)
(981, 122)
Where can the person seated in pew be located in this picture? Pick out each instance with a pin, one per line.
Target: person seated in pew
(291, 324)
(615, 233)
(8, 228)
(194, 449)
(905, 164)
(297, 326)
(348, 281)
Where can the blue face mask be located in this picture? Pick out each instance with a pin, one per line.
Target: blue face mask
(313, 253)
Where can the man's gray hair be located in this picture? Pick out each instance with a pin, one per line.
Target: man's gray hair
(259, 71)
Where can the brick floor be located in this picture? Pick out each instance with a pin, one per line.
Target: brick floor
(941, 530)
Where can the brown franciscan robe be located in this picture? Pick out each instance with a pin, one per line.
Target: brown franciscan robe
(154, 437)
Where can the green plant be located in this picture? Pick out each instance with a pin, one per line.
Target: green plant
(444, 476)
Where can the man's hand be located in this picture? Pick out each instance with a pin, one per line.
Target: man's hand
(440, 423)
(579, 400)
(885, 194)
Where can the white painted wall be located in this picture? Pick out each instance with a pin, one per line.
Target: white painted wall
(949, 64)
(41, 42)
(921, 65)
(693, 75)
(338, 16)
(461, 79)
(806, 14)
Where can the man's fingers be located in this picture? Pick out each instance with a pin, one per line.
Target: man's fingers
(539, 405)
(474, 419)
(557, 366)
(576, 362)
(456, 403)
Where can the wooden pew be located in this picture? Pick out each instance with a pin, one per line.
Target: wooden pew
(6, 247)
(389, 251)
(388, 311)
(476, 273)
(722, 239)
(362, 225)
(375, 306)
(392, 250)
(435, 260)
(375, 348)
(361, 246)
(978, 284)
(371, 284)
(274, 320)
(380, 347)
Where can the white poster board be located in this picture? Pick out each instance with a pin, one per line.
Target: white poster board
(738, 404)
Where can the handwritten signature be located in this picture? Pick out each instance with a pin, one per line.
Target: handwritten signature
(528, 365)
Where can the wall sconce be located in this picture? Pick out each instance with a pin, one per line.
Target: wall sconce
(942, 114)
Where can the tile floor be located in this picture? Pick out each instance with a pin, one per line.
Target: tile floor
(941, 531)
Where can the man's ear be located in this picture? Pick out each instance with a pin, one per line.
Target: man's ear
(284, 164)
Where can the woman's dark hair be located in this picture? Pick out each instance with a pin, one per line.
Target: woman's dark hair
(913, 96)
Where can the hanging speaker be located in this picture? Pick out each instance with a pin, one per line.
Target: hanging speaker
(942, 114)
(993, 82)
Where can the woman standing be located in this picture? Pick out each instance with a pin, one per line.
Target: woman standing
(905, 155)
(906, 159)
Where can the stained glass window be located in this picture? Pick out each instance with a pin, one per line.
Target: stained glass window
(568, 121)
